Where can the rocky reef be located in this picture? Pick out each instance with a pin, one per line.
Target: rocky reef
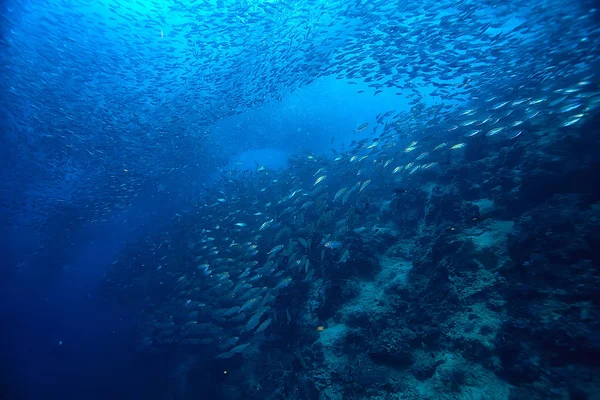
(481, 284)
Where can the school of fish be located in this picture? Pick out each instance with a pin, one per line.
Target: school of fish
(123, 108)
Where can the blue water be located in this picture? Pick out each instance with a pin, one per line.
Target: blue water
(119, 121)
(62, 340)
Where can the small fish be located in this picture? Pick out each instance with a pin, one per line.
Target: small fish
(275, 249)
(248, 304)
(421, 156)
(364, 185)
(516, 123)
(361, 127)
(494, 131)
(458, 146)
(227, 354)
(429, 165)
(319, 171)
(537, 101)
(570, 107)
(240, 224)
(468, 112)
(344, 257)
(205, 268)
(473, 132)
(254, 320)
(239, 348)
(264, 325)
(339, 193)
(440, 146)
(515, 135)
(319, 180)
(468, 123)
(333, 244)
(307, 204)
(570, 121)
(265, 225)
(228, 342)
(284, 283)
(415, 169)
(303, 242)
(498, 106)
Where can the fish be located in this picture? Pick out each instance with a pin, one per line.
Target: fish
(364, 185)
(494, 131)
(307, 205)
(216, 271)
(473, 132)
(344, 257)
(361, 127)
(339, 193)
(239, 348)
(254, 320)
(225, 355)
(264, 325)
(265, 225)
(499, 105)
(248, 304)
(570, 121)
(320, 170)
(514, 135)
(429, 165)
(228, 342)
(283, 283)
(304, 243)
(468, 123)
(276, 249)
(319, 180)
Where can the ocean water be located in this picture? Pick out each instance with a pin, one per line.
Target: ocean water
(299, 199)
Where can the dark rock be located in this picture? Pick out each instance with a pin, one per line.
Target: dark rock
(391, 349)
(423, 371)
